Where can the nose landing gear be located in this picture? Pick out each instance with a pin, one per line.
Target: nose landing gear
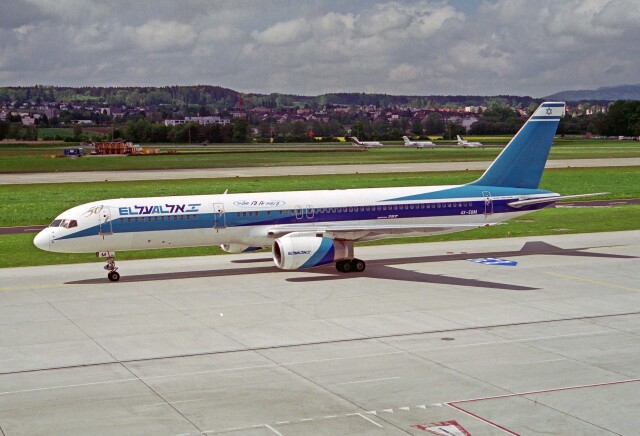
(113, 274)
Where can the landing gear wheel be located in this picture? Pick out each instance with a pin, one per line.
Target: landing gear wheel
(114, 276)
(343, 266)
(350, 265)
(358, 265)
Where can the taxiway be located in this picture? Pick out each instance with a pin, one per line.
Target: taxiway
(422, 339)
(214, 173)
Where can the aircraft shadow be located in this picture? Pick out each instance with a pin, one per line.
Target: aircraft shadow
(378, 269)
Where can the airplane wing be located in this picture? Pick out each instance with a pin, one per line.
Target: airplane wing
(366, 232)
(522, 203)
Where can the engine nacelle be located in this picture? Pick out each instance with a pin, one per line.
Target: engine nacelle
(238, 248)
(306, 251)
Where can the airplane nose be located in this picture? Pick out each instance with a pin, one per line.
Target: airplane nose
(42, 240)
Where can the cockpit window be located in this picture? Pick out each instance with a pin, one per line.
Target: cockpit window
(67, 224)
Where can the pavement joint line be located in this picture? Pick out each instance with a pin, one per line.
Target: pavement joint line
(309, 361)
(597, 282)
(545, 391)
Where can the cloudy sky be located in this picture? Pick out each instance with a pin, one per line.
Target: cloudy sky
(420, 47)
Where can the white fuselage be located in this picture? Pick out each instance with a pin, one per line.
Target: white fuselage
(246, 219)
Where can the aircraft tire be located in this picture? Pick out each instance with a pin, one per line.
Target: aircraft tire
(344, 266)
(114, 276)
(358, 265)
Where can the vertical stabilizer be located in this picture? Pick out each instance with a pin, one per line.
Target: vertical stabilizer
(521, 163)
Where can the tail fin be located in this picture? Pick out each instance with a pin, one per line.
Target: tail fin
(354, 140)
(521, 163)
(406, 140)
(459, 138)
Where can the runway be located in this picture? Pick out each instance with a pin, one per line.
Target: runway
(208, 173)
(423, 339)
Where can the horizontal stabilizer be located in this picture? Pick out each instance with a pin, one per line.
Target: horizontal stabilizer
(522, 203)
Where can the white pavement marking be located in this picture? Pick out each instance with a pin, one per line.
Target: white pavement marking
(367, 381)
(368, 419)
(273, 429)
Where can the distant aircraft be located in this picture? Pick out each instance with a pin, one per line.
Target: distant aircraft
(466, 144)
(366, 144)
(417, 144)
(311, 228)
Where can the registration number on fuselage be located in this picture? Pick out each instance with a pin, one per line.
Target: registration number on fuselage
(469, 212)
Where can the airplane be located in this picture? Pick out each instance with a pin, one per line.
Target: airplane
(306, 229)
(466, 144)
(417, 144)
(366, 144)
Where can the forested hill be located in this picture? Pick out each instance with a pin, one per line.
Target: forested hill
(226, 99)
(122, 96)
(606, 93)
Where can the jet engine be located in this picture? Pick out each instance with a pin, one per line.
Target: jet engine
(296, 251)
(238, 248)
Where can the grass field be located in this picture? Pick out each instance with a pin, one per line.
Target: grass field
(39, 204)
(26, 159)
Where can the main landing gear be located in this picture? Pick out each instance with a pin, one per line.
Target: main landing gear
(350, 265)
(113, 275)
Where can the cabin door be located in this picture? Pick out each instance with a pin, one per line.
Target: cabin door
(104, 217)
(219, 218)
(488, 202)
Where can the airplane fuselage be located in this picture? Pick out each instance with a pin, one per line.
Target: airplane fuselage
(245, 219)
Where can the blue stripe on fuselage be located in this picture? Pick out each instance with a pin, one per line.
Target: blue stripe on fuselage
(471, 191)
(463, 200)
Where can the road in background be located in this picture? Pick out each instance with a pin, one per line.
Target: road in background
(216, 173)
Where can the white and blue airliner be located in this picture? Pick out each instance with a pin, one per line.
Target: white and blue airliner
(311, 228)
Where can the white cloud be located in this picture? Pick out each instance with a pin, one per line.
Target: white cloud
(164, 35)
(285, 32)
(403, 46)
(404, 73)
